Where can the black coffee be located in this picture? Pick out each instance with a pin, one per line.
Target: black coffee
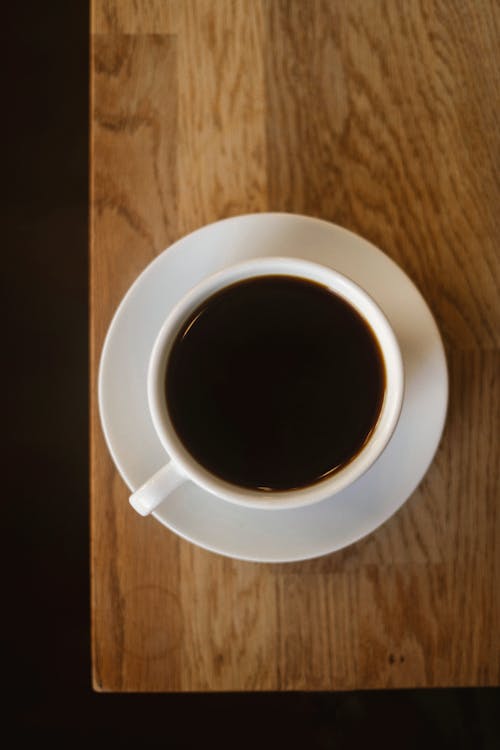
(274, 383)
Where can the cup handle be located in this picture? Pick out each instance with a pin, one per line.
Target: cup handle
(156, 489)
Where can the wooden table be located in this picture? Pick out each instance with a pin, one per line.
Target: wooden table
(382, 117)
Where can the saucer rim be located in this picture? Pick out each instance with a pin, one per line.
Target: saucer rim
(348, 540)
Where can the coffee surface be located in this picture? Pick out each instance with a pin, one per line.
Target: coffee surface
(274, 383)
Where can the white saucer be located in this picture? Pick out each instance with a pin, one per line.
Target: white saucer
(264, 535)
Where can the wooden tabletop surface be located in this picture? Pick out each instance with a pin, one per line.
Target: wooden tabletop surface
(383, 117)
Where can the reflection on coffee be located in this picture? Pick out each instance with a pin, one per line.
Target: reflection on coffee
(274, 383)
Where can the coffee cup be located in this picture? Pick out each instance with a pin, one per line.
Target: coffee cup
(182, 464)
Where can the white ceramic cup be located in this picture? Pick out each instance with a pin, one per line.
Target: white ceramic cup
(182, 467)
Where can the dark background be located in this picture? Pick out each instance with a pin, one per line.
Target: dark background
(46, 569)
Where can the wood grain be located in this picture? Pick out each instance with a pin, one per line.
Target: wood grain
(133, 217)
(402, 141)
(383, 117)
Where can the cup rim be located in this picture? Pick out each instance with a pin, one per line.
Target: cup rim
(380, 433)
